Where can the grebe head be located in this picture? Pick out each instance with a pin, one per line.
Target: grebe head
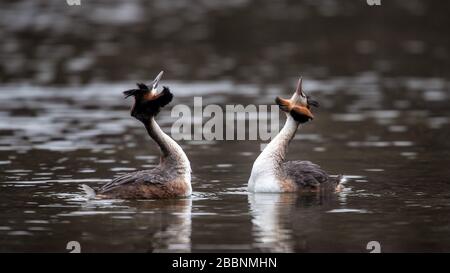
(299, 105)
(143, 89)
(147, 102)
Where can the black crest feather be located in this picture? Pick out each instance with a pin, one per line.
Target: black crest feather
(131, 92)
(142, 86)
(134, 92)
(299, 116)
(312, 102)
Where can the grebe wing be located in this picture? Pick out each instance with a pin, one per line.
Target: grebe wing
(154, 176)
(306, 173)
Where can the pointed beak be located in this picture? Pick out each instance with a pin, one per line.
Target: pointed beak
(156, 80)
(299, 90)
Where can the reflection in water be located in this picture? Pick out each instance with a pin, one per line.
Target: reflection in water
(154, 225)
(268, 211)
(175, 234)
(281, 221)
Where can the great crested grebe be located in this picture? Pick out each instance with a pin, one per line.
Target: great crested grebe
(172, 177)
(270, 172)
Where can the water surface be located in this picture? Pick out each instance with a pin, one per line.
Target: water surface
(387, 136)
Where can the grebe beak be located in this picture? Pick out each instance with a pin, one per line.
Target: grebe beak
(299, 90)
(156, 80)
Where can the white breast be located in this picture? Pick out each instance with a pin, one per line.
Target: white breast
(263, 179)
(264, 176)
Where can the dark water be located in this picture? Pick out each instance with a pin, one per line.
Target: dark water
(381, 75)
(393, 150)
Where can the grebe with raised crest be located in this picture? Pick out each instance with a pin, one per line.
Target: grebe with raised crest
(172, 177)
(271, 173)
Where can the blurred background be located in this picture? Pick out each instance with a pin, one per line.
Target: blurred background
(380, 73)
(50, 42)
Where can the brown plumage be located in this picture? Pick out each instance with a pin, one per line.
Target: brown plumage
(152, 184)
(299, 113)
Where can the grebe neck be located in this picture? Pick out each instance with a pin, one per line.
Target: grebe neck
(267, 171)
(275, 152)
(171, 152)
